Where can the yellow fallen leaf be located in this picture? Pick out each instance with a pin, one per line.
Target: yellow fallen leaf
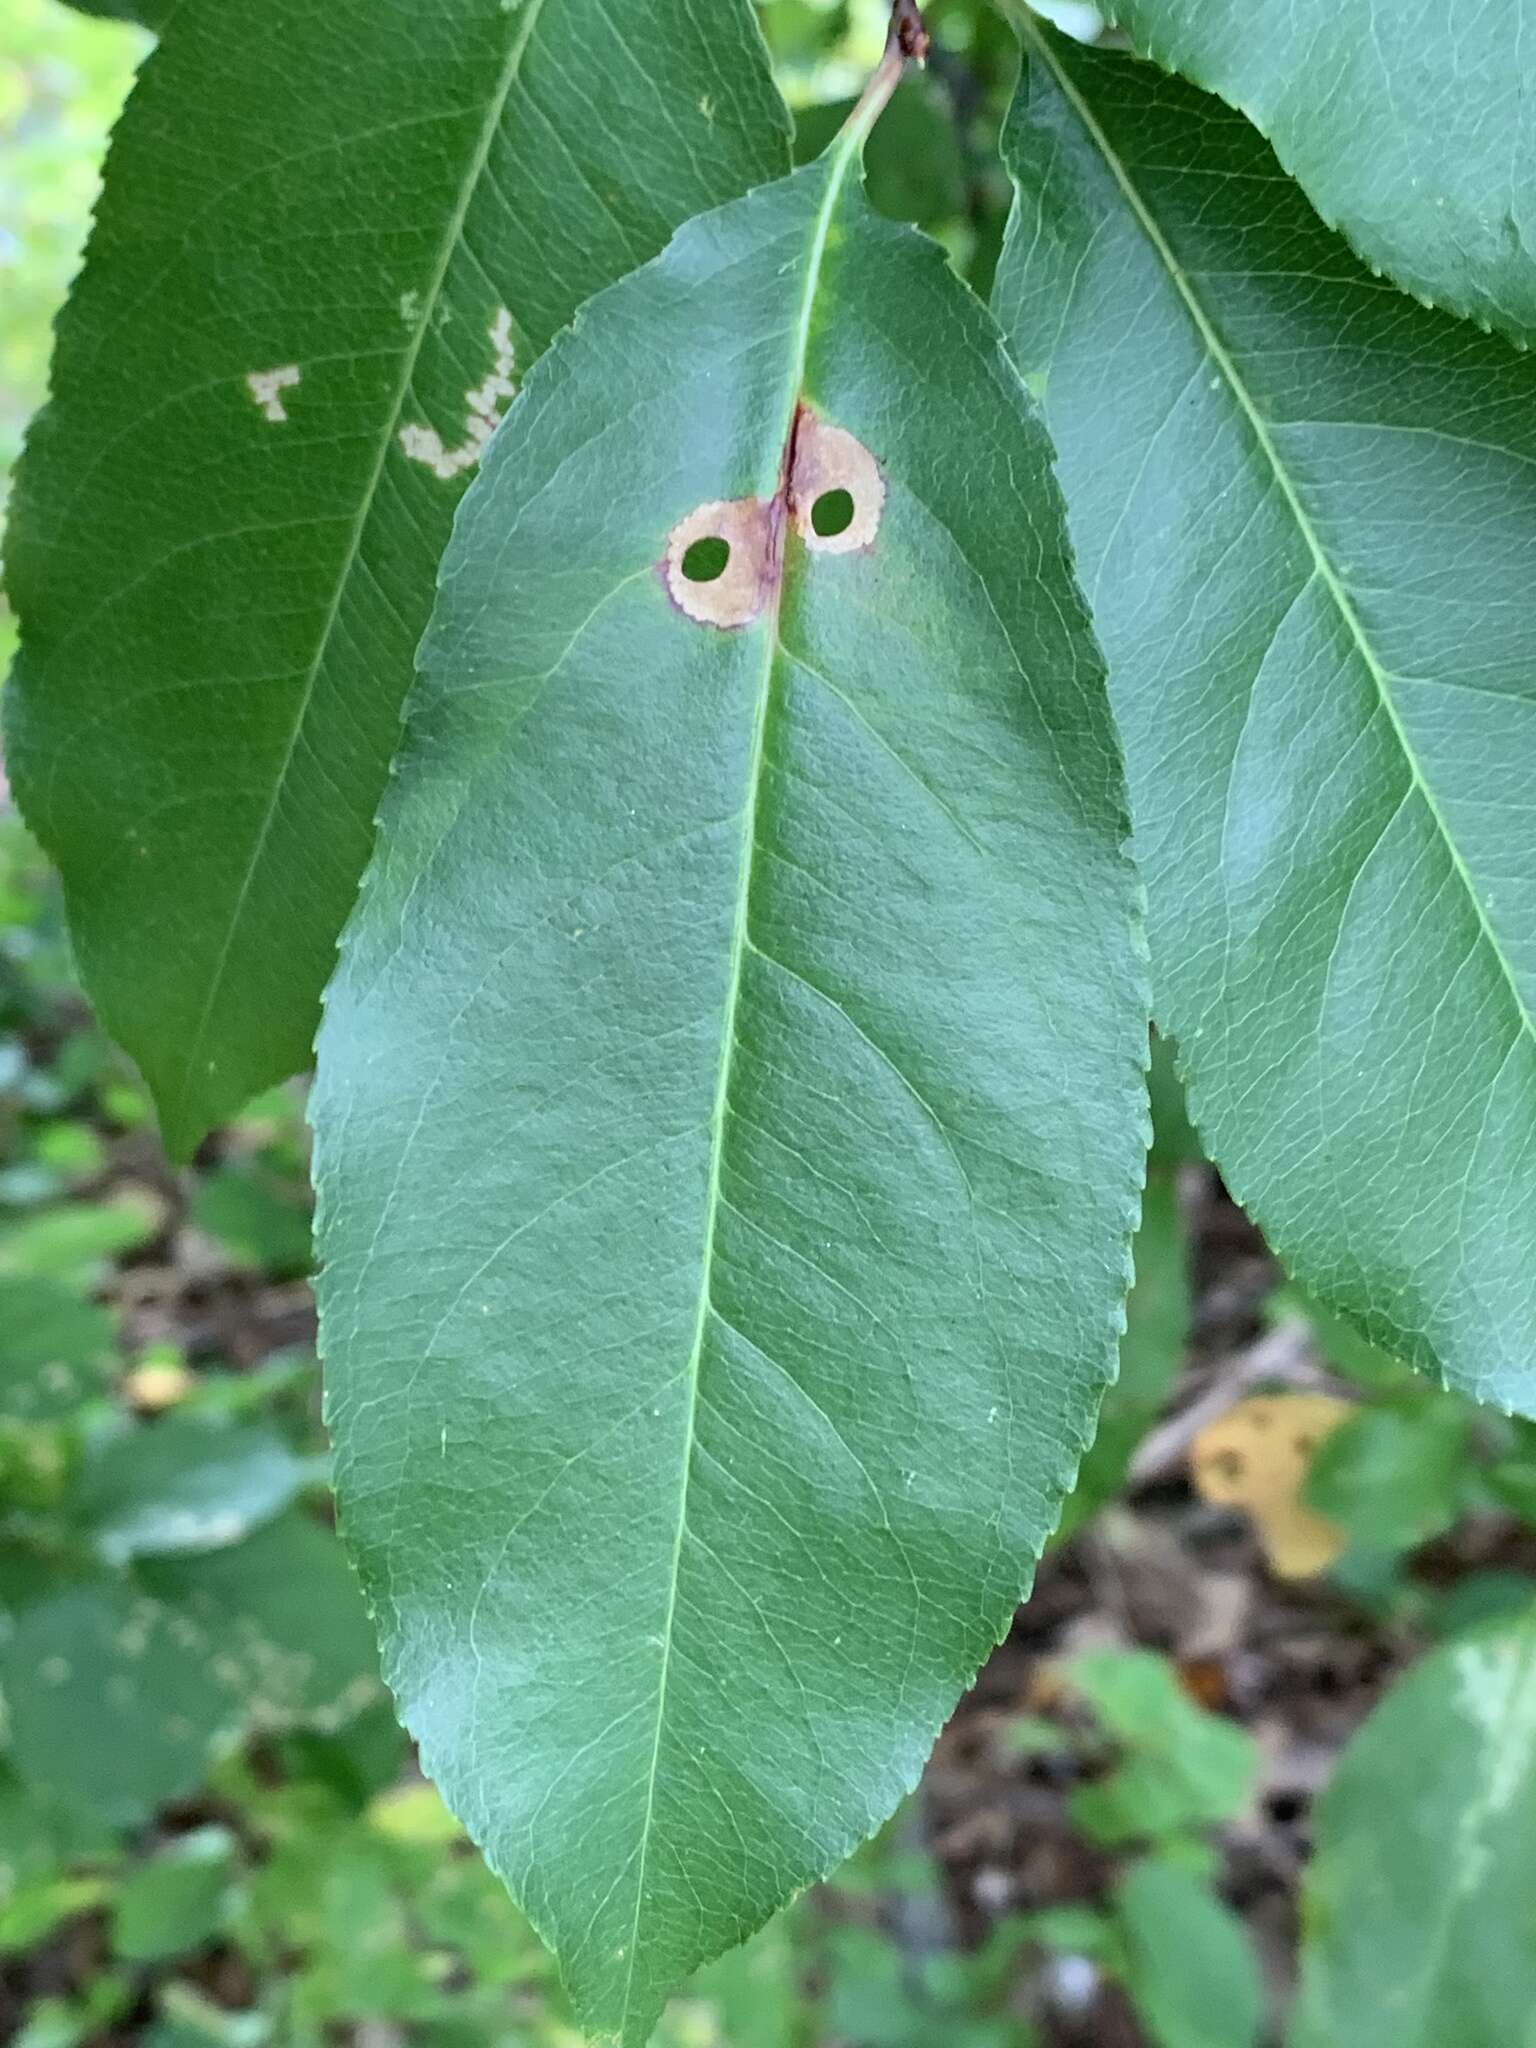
(1255, 1457)
(152, 1388)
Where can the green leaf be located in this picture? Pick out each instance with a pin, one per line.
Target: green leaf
(1417, 1903)
(1410, 127)
(1393, 1477)
(72, 1244)
(182, 1485)
(1180, 1766)
(255, 1213)
(177, 1900)
(121, 1688)
(55, 1353)
(1303, 512)
(40, 1909)
(282, 1620)
(331, 239)
(1189, 1966)
(751, 1996)
(40, 1836)
(111, 1699)
(731, 1100)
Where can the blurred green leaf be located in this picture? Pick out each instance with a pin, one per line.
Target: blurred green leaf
(357, 1760)
(181, 1485)
(259, 1215)
(56, 1350)
(54, 2023)
(1180, 1767)
(76, 1242)
(1189, 1966)
(877, 1996)
(753, 1994)
(1393, 1477)
(112, 1698)
(1350, 1354)
(1074, 1930)
(1479, 1601)
(192, 2021)
(177, 1900)
(122, 1687)
(285, 1619)
(31, 1914)
(1175, 1141)
(1417, 1917)
(41, 1835)
(1511, 1473)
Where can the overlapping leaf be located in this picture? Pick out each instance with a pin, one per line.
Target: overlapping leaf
(1412, 125)
(1416, 1909)
(730, 1100)
(331, 241)
(1305, 510)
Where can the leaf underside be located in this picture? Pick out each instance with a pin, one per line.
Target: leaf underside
(1304, 512)
(300, 313)
(730, 1104)
(1411, 125)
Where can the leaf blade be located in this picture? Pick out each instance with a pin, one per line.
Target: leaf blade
(1326, 767)
(323, 361)
(1412, 1928)
(1415, 151)
(637, 854)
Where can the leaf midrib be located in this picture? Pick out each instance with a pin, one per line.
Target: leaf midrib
(495, 107)
(847, 149)
(1326, 573)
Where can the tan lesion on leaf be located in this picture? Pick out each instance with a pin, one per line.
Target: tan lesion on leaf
(741, 589)
(831, 492)
(827, 461)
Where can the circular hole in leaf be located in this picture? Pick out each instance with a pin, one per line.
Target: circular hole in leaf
(832, 513)
(705, 560)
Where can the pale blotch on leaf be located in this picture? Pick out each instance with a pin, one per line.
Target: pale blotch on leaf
(719, 565)
(836, 491)
(267, 387)
(486, 403)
